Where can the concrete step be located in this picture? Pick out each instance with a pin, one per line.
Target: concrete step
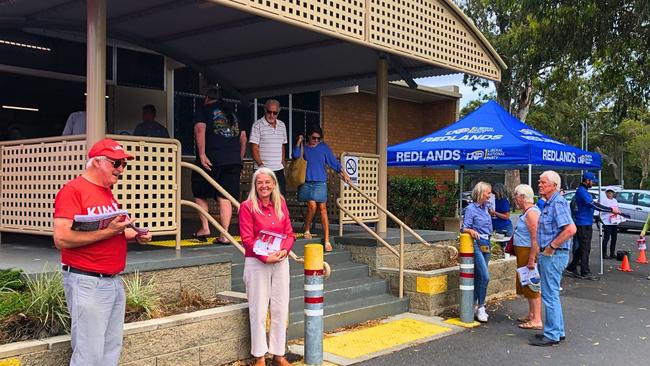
(351, 312)
(341, 272)
(342, 291)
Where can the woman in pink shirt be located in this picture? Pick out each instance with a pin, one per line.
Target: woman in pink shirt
(266, 233)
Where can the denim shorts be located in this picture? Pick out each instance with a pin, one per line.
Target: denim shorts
(313, 191)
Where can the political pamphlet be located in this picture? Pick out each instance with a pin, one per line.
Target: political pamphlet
(268, 242)
(528, 276)
(101, 221)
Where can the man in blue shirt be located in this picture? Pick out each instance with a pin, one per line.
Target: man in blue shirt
(583, 212)
(554, 234)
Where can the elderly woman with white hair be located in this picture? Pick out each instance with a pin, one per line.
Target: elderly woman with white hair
(477, 222)
(526, 250)
(263, 218)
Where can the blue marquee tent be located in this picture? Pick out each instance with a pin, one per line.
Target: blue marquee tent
(488, 138)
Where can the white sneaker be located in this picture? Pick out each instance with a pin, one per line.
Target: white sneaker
(481, 315)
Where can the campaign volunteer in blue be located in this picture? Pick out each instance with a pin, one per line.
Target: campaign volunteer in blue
(501, 213)
(554, 233)
(477, 222)
(583, 207)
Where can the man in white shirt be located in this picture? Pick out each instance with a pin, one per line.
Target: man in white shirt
(268, 137)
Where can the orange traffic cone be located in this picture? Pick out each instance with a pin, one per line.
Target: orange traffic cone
(642, 259)
(625, 266)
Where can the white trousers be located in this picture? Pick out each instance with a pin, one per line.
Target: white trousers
(267, 284)
(96, 307)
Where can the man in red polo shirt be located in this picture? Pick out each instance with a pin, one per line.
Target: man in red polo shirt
(92, 260)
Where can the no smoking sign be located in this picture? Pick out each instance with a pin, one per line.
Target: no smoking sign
(351, 166)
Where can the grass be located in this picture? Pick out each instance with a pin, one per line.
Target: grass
(46, 303)
(141, 297)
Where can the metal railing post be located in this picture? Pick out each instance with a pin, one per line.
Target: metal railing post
(314, 307)
(466, 249)
(401, 262)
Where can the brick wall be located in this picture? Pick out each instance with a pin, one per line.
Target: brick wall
(349, 124)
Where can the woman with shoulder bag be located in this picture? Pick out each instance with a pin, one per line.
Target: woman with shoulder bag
(477, 222)
(318, 156)
(526, 249)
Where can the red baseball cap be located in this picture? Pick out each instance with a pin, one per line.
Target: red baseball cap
(109, 148)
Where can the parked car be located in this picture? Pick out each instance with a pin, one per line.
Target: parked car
(634, 203)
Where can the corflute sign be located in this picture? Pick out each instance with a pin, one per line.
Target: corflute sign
(427, 156)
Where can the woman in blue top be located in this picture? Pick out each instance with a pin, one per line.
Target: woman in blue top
(501, 213)
(478, 223)
(526, 250)
(318, 155)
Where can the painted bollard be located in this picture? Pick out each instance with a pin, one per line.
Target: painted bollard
(314, 304)
(466, 255)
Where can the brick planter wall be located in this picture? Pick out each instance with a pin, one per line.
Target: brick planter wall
(205, 279)
(415, 255)
(433, 292)
(206, 337)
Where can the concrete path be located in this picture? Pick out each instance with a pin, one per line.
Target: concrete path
(608, 323)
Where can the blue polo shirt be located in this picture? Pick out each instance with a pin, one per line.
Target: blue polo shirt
(585, 214)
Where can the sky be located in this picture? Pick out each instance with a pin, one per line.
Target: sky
(455, 79)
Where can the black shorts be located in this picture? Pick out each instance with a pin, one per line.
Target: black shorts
(228, 177)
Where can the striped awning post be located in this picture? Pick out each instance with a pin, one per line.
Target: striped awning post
(466, 255)
(314, 304)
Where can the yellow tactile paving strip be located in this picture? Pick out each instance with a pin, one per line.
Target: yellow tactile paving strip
(456, 321)
(387, 335)
(194, 242)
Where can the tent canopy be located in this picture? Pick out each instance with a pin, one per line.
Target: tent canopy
(488, 138)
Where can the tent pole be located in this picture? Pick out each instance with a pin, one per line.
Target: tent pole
(600, 227)
(460, 193)
(530, 175)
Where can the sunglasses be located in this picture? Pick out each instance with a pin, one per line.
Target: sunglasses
(275, 113)
(116, 163)
(316, 138)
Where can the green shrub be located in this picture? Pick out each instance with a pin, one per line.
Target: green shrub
(141, 297)
(11, 280)
(420, 202)
(12, 302)
(46, 303)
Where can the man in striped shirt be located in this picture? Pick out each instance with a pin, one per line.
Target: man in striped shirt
(268, 137)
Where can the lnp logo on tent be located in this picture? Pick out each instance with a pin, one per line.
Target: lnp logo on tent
(533, 135)
(487, 154)
(466, 134)
(585, 159)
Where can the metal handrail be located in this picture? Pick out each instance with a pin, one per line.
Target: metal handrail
(402, 227)
(235, 203)
(401, 223)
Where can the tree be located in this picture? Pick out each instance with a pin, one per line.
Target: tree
(545, 43)
(637, 132)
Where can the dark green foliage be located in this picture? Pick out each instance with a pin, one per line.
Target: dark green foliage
(420, 202)
(11, 279)
(11, 303)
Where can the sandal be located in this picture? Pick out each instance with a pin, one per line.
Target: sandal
(328, 246)
(222, 241)
(530, 326)
(307, 235)
(200, 238)
(523, 319)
